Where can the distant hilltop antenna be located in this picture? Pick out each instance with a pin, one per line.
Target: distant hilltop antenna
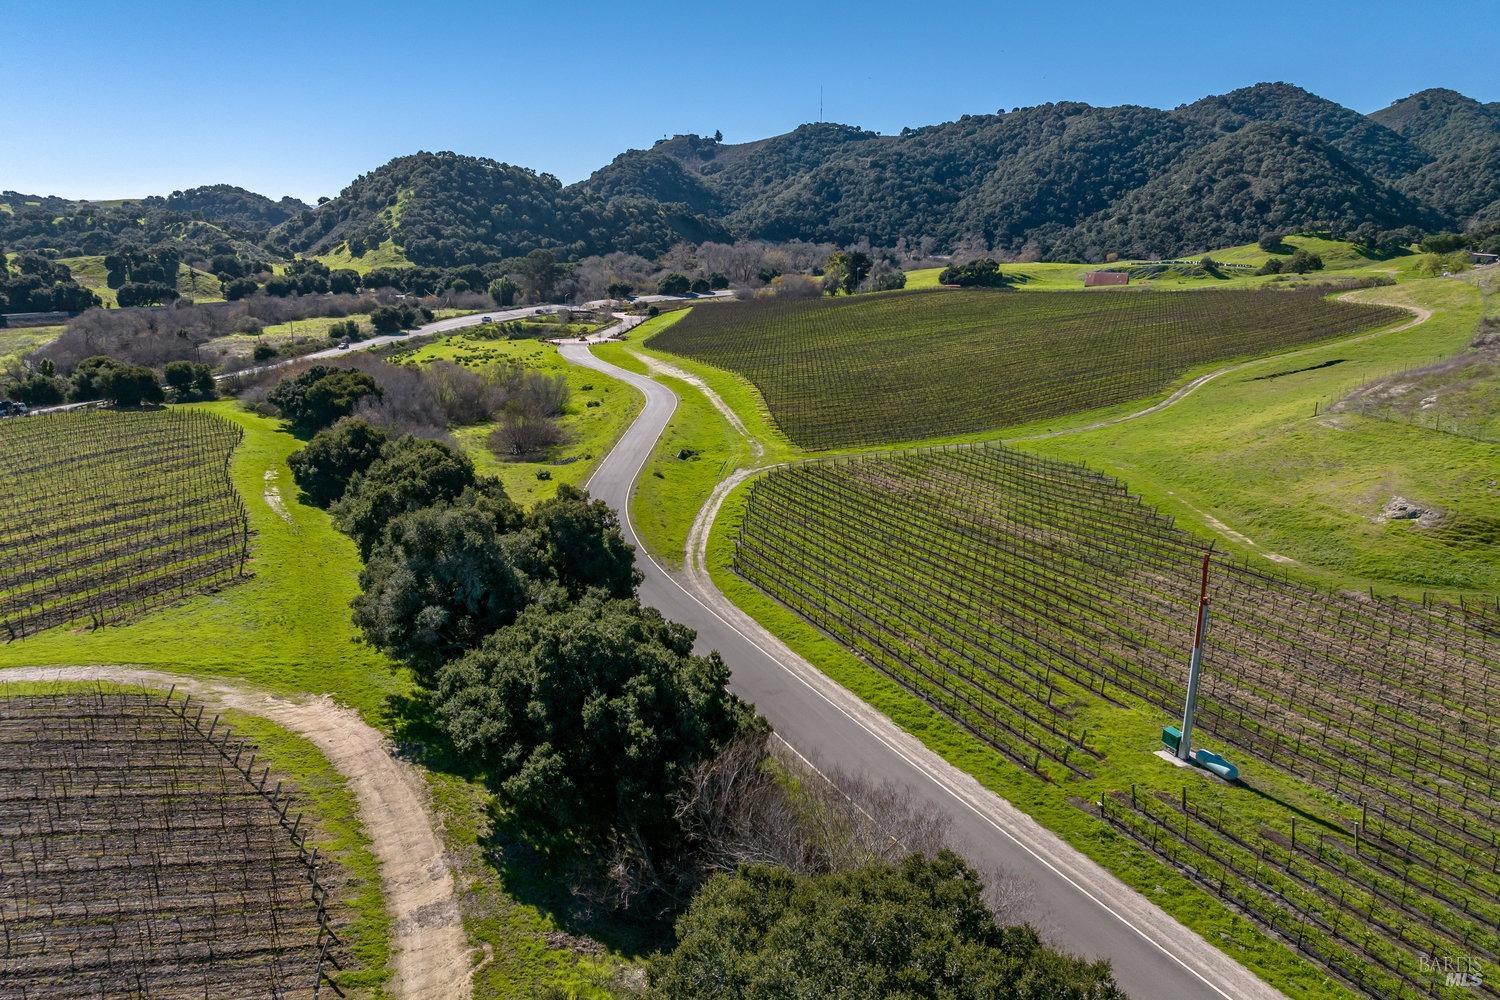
(820, 102)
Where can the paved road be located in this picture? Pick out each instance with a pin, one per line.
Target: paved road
(442, 326)
(1073, 901)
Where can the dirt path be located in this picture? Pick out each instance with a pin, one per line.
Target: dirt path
(658, 367)
(1419, 316)
(432, 958)
(271, 494)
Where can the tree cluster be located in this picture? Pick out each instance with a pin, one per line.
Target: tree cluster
(318, 396)
(115, 381)
(34, 282)
(1299, 262)
(465, 210)
(981, 273)
(917, 928)
(587, 712)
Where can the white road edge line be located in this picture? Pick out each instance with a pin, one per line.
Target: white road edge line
(919, 766)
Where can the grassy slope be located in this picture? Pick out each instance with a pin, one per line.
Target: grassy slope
(14, 342)
(923, 277)
(334, 813)
(385, 255)
(592, 430)
(287, 629)
(1304, 488)
(1340, 260)
(1253, 454)
(1461, 396)
(312, 331)
(200, 286)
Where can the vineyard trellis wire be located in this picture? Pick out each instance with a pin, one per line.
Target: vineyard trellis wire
(145, 854)
(109, 513)
(1024, 597)
(866, 370)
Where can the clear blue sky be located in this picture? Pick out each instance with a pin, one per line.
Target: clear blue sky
(111, 100)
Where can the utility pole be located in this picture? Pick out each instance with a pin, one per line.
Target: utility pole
(1195, 665)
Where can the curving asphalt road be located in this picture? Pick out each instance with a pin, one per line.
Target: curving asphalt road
(1073, 901)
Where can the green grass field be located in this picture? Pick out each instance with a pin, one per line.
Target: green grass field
(1458, 395)
(293, 337)
(912, 365)
(385, 255)
(1249, 451)
(15, 342)
(591, 430)
(1341, 261)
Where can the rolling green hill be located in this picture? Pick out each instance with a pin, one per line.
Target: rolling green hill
(1264, 177)
(447, 209)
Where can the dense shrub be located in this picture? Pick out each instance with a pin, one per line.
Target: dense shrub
(189, 382)
(333, 457)
(36, 389)
(148, 293)
(674, 284)
(90, 379)
(582, 544)
(411, 473)
(915, 929)
(318, 396)
(445, 577)
(132, 385)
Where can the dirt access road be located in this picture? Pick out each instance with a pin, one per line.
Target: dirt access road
(431, 954)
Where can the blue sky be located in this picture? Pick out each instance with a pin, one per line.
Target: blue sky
(112, 100)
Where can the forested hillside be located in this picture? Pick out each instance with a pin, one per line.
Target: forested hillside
(228, 206)
(1055, 181)
(447, 209)
(216, 219)
(1069, 180)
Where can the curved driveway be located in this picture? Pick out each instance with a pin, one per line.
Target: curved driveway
(1074, 901)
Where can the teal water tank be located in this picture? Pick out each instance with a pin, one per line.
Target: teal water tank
(1213, 763)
